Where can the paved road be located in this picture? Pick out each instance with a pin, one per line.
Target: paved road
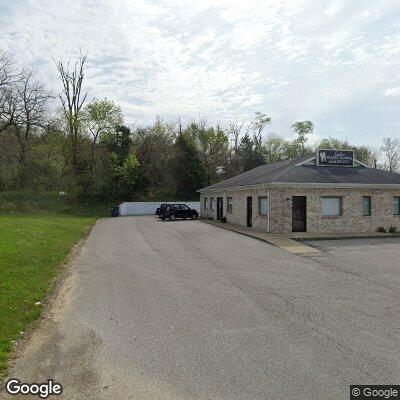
(184, 310)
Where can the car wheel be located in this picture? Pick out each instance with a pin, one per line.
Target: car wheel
(194, 216)
(172, 217)
(184, 218)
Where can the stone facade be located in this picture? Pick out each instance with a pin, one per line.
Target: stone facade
(280, 208)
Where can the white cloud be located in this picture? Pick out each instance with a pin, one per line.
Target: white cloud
(393, 92)
(333, 9)
(325, 61)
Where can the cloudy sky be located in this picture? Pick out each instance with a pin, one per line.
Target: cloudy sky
(336, 63)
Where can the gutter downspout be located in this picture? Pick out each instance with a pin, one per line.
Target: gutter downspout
(269, 210)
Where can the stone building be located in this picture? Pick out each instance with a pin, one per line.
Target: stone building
(326, 192)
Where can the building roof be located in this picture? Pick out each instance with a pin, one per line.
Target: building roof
(303, 170)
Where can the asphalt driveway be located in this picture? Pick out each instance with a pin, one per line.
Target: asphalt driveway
(185, 310)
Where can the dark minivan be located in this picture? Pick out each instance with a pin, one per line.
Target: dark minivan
(173, 211)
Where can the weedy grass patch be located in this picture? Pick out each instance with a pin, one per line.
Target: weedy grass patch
(32, 249)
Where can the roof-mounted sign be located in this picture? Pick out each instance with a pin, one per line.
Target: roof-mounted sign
(335, 157)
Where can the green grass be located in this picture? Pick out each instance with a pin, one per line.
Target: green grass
(53, 202)
(35, 239)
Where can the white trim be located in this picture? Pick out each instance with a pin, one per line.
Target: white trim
(306, 161)
(308, 185)
(269, 212)
(339, 185)
(360, 163)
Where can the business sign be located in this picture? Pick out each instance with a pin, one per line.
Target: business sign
(335, 157)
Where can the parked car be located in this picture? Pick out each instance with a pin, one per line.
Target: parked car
(161, 209)
(173, 211)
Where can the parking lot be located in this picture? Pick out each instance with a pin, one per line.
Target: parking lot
(186, 310)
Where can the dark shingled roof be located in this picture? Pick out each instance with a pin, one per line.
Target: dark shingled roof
(287, 171)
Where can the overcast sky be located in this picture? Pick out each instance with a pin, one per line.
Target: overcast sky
(336, 63)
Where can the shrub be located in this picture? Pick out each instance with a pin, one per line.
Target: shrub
(381, 229)
(392, 229)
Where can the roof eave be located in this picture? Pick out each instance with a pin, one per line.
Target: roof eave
(307, 185)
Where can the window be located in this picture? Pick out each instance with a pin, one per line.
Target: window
(397, 205)
(211, 203)
(331, 206)
(229, 204)
(205, 203)
(366, 206)
(263, 205)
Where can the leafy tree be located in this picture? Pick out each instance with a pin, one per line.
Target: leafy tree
(251, 153)
(365, 155)
(274, 148)
(130, 172)
(101, 117)
(118, 141)
(155, 149)
(213, 146)
(332, 143)
(260, 122)
(303, 129)
(189, 171)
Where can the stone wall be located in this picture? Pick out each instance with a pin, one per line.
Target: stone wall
(280, 206)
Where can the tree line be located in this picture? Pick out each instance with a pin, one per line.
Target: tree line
(86, 148)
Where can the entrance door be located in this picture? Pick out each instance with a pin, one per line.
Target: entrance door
(220, 207)
(249, 211)
(299, 214)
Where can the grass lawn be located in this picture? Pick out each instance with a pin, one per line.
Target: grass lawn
(32, 248)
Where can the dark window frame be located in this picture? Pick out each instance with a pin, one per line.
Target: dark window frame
(259, 205)
(369, 206)
(396, 201)
(340, 207)
(229, 204)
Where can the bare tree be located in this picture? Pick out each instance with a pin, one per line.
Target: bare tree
(235, 130)
(8, 77)
(29, 103)
(391, 154)
(72, 100)
(375, 156)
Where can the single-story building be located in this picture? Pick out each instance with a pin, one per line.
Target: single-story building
(329, 191)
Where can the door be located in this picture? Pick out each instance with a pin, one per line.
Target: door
(299, 214)
(184, 211)
(249, 211)
(220, 207)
